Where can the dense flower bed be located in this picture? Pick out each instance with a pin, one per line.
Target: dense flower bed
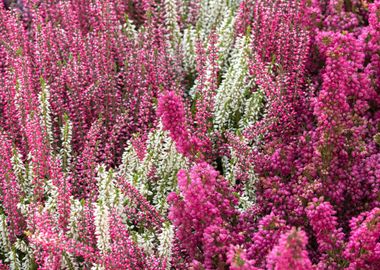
(190, 134)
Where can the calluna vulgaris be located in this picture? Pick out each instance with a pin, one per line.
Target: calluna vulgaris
(190, 134)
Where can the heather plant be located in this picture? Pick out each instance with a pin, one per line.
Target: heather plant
(178, 134)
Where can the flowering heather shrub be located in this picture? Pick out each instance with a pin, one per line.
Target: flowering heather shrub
(178, 134)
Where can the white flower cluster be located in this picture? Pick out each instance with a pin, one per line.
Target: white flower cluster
(106, 200)
(161, 156)
(11, 255)
(230, 96)
(166, 242)
(171, 22)
(65, 151)
(44, 97)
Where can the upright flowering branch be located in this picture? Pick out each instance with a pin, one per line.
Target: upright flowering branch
(205, 88)
(206, 84)
(10, 190)
(6, 245)
(290, 253)
(172, 111)
(362, 250)
(243, 19)
(171, 21)
(234, 103)
(86, 163)
(38, 154)
(66, 150)
(330, 238)
(46, 122)
(166, 243)
(63, 186)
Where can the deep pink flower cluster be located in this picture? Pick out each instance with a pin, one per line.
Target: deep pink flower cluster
(290, 253)
(329, 238)
(112, 155)
(362, 250)
(203, 213)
